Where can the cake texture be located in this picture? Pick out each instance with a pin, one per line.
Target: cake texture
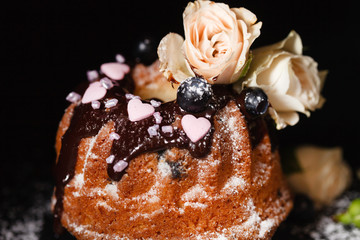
(184, 147)
(236, 191)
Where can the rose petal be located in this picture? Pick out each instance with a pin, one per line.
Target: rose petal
(172, 61)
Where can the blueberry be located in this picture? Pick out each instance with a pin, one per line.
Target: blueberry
(194, 94)
(145, 50)
(254, 101)
(176, 169)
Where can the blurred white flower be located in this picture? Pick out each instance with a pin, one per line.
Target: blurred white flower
(324, 174)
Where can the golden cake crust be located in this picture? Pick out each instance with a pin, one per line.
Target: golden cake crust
(151, 83)
(235, 192)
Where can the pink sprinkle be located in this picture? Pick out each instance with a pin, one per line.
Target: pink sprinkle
(106, 83)
(155, 103)
(120, 58)
(73, 97)
(95, 104)
(153, 130)
(167, 129)
(92, 75)
(95, 91)
(110, 159)
(195, 128)
(120, 166)
(115, 70)
(158, 117)
(137, 110)
(111, 103)
(114, 136)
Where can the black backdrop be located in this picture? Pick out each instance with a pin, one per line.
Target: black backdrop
(47, 47)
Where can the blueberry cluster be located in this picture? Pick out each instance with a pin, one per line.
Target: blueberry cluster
(194, 95)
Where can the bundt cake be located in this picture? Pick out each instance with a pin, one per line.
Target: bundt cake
(184, 148)
(119, 178)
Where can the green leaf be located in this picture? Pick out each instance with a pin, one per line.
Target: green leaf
(357, 221)
(352, 215)
(344, 218)
(354, 208)
(246, 66)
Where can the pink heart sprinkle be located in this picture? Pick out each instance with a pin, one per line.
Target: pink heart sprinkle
(95, 91)
(137, 110)
(115, 70)
(195, 128)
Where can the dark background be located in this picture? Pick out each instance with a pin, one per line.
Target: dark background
(47, 47)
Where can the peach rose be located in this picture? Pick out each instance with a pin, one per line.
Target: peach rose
(217, 42)
(290, 79)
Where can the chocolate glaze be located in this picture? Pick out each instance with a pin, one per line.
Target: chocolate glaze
(134, 138)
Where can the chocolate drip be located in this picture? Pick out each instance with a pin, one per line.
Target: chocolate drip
(134, 137)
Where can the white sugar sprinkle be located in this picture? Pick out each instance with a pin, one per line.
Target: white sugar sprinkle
(120, 166)
(167, 129)
(114, 136)
(155, 103)
(130, 96)
(106, 83)
(73, 97)
(157, 117)
(153, 130)
(111, 103)
(110, 159)
(95, 104)
(92, 75)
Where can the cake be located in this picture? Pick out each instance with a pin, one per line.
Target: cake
(184, 148)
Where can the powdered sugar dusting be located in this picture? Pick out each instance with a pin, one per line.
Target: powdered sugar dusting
(104, 205)
(21, 221)
(261, 172)
(164, 168)
(252, 227)
(195, 205)
(266, 226)
(112, 191)
(194, 193)
(28, 227)
(325, 228)
(146, 215)
(234, 184)
(333, 230)
(89, 234)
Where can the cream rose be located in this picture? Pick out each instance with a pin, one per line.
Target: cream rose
(216, 46)
(290, 79)
(324, 174)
